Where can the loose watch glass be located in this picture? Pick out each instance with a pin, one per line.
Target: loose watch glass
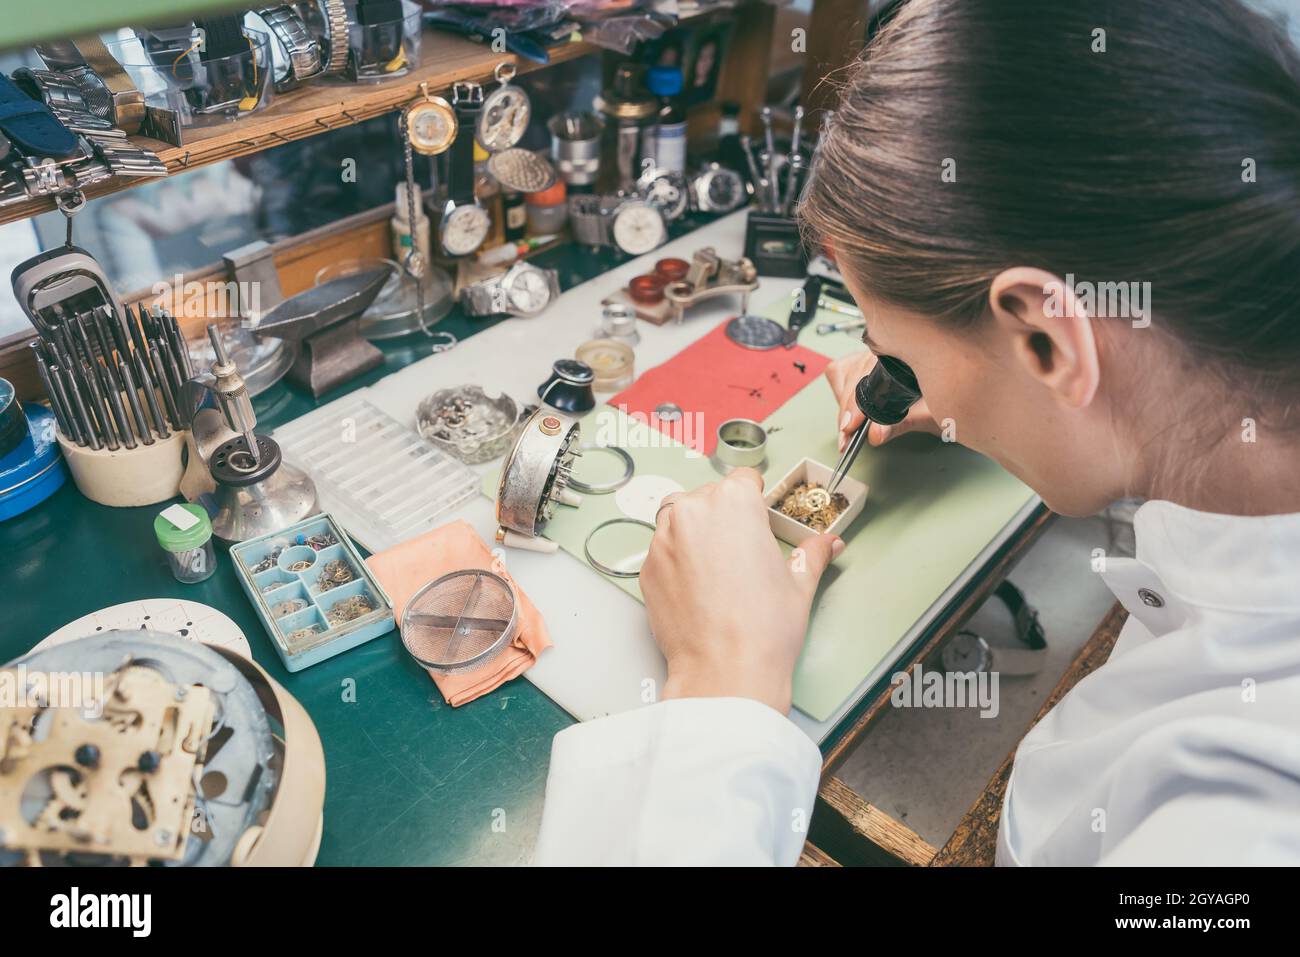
(464, 228)
(638, 228)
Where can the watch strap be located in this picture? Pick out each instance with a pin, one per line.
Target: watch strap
(32, 126)
(106, 86)
(467, 102)
(64, 96)
(487, 297)
(302, 51)
(336, 37)
(1028, 627)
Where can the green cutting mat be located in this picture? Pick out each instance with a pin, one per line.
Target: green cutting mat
(932, 509)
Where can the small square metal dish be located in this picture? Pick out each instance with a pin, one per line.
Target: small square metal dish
(791, 530)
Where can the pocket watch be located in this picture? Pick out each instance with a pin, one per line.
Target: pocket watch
(666, 190)
(522, 290)
(717, 189)
(430, 123)
(504, 117)
(465, 224)
(638, 227)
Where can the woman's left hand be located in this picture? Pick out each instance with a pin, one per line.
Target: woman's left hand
(727, 609)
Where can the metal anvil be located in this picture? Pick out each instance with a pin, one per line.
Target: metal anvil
(323, 325)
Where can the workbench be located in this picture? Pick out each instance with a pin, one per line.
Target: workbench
(409, 779)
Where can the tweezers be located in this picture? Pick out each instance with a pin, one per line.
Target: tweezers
(850, 454)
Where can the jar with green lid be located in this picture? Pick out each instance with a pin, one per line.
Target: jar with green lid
(185, 533)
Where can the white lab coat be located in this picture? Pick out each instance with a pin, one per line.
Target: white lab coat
(1183, 749)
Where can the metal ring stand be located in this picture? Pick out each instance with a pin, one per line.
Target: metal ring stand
(600, 566)
(603, 488)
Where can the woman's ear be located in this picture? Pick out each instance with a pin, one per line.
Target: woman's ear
(1051, 335)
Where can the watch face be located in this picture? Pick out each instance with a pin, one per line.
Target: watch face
(431, 126)
(667, 193)
(639, 228)
(504, 119)
(528, 291)
(464, 228)
(721, 191)
(965, 653)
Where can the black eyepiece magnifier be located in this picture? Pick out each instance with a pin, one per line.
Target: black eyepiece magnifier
(884, 395)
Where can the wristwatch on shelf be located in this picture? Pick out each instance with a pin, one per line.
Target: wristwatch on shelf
(327, 23)
(465, 224)
(106, 87)
(68, 103)
(631, 224)
(39, 156)
(968, 651)
(522, 290)
(717, 189)
(301, 50)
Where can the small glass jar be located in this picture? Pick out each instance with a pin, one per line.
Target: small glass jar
(548, 210)
(190, 554)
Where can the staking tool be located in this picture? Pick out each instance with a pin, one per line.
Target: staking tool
(884, 395)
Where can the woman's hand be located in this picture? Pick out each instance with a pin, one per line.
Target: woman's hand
(844, 375)
(726, 608)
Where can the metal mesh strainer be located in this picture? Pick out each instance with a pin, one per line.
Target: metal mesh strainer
(460, 621)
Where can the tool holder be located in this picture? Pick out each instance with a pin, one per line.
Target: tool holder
(145, 475)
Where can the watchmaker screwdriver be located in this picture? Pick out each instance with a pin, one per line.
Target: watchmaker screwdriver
(178, 343)
(826, 328)
(86, 424)
(81, 339)
(79, 390)
(43, 371)
(77, 433)
(113, 393)
(760, 184)
(100, 403)
(102, 335)
(150, 394)
(169, 399)
(830, 304)
(769, 162)
(133, 402)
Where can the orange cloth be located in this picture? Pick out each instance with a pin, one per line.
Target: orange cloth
(405, 569)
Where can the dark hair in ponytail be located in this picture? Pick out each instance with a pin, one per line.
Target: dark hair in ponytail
(1124, 165)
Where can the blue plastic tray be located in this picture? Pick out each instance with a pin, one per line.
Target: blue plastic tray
(277, 585)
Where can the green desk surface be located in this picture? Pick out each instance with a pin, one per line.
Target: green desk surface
(409, 779)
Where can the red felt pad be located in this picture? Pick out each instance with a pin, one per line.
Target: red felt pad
(714, 380)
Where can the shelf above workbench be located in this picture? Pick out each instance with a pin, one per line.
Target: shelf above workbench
(444, 59)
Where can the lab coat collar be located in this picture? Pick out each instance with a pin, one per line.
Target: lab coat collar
(1224, 562)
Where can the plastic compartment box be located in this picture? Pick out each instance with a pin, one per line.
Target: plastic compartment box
(293, 602)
